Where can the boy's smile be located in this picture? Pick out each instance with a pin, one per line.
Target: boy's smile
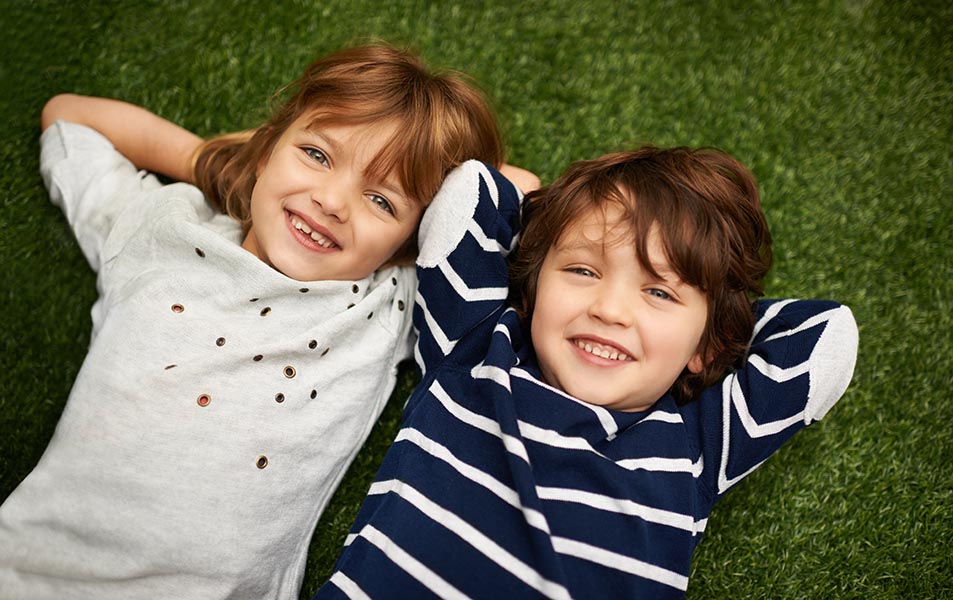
(605, 329)
(316, 212)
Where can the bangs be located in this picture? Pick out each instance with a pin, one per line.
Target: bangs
(407, 155)
(688, 230)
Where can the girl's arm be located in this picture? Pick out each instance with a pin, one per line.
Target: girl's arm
(149, 141)
(526, 181)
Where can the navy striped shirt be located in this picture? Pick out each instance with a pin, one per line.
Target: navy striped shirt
(500, 486)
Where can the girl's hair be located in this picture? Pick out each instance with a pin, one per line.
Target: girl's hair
(706, 208)
(441, 120)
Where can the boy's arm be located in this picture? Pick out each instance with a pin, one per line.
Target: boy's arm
(146, 139)
(465, 236)
(800, 362)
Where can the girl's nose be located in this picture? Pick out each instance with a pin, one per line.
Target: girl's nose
(333, 201)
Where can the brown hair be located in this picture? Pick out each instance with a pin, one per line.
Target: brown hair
(441, 119)
(708, 213)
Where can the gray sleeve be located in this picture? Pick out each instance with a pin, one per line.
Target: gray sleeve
(90, 181)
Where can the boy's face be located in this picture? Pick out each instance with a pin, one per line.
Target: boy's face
(605, 330)
(315, 213)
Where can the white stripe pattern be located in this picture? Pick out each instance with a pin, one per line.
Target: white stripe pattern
(620, 562)
(474, 475)
(348, 586)
(724, 482)
(474, 538)
(618, 505)
(775, 373)
(466, 292)
(605, 418)
(512, 444)
(435, 331)
(817, 319)
(413, 567)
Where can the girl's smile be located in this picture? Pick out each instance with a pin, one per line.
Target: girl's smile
(316, 211)
(310, 234)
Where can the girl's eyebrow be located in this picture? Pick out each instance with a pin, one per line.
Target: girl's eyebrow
(394, 190)
(330, 142)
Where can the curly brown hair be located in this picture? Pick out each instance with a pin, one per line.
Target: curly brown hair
(706, 207)
(442, 119)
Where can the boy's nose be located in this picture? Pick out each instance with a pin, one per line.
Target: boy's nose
(613, 308)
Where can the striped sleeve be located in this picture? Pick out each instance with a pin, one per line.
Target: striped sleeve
(800, 362)
(465, 236)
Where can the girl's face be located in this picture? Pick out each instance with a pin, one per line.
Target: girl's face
(316, 215)
(605, 330)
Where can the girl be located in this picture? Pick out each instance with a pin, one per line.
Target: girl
(244, 341)
(572, 445)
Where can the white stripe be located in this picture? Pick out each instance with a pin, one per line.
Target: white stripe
(663, 465)
(487, 243)
(700, 525)
(512, 444)
(347, 585)
(411, 565)
(419, 359)
(557, 440)
(604, 417)
(474, 475)
(724, 483)
(548, 436)
(620, 562)
(438, 335)
(490, 183)
(479, 541)
(665, 417)
(620, 506)
(776, 373)
(752, 427)
(769, 314)
(466, 292)
(494, 374)
(501, 328)
(823, 317)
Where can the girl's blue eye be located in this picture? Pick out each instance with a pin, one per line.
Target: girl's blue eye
(660, 294)
(316, 155)
(381, 202)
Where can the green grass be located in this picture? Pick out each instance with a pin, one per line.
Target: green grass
(842, 110)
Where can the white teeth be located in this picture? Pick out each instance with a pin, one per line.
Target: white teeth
(602, 352)
(317, 237)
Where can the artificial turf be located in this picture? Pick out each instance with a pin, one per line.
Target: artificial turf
(842, 109)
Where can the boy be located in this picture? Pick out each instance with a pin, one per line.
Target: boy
(573, 444)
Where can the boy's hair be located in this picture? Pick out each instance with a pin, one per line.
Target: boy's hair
(708, 213)
(442, 120)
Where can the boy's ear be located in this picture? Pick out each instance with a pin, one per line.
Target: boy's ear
(697, 364)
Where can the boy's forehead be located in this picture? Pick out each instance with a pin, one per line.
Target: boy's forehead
(602, 226)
